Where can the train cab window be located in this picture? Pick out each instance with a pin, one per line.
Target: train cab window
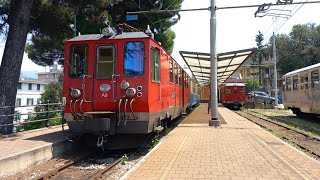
(288, 84)
(235, 90)
(295, 81)
(133, 59)
(176, 73)
(78, 60)
(301, 82)
(105, 62)
(306, 81)
(155, 64)
(171, 70)
(228, 90)
(314, 78)
(242, 90)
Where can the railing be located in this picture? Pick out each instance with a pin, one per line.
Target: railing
(49, 112)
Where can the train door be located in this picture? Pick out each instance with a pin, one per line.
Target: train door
(78, 77)
(104, 87)
(183, 89)
(176, 88)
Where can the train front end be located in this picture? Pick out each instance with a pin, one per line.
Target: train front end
(105, 85)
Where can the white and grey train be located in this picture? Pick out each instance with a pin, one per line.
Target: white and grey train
(301, 90)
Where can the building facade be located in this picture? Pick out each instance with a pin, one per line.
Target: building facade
(28, 94)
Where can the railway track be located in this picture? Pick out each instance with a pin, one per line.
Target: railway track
(60, 172)
(304, 141)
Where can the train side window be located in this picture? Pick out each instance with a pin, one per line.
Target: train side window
(176, 73)
(235, 90)
(228, 90)
(301, 82)
(78, 60)
(133, 63)
(314, 78)
(288, 84)
(180, 77)
(241, 90)
(155, 64)
(306, 81)
(105, 62)
(171, 70)
(295, 82)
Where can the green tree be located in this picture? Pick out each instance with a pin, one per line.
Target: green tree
(52, 94)
(298, 49)
(259, 53)
(17, 19)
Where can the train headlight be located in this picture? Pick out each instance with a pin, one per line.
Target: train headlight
(75, 93)
(130, 92)
(124, 85)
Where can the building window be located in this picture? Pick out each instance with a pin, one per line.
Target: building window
(38, 87)
(105, 62)
(18, 102)
(295, 82)
(288, 84)
(78, 60)
(171, 70)
(133, 59)
(17, 116)
(314, 78)
(29, 86)
(29, 101)
(155, 64)
(19, 86)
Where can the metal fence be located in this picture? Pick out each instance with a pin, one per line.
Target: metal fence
(45, 109)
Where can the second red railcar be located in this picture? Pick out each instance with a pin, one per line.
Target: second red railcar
(233, 95)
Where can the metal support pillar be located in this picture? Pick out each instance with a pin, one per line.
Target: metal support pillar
(275, 84)
(214, 121)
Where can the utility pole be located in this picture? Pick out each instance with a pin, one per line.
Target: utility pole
(275, 83)
(214, 121)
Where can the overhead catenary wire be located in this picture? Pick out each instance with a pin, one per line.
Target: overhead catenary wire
(277, 27)
(147, 17)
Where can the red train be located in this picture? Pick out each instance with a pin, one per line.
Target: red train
(120, 86)
(233, 95)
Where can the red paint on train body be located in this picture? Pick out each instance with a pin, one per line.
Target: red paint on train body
(124, 84)
(233, 95)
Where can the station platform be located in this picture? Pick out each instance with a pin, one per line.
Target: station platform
(24, 149)
(237, 150)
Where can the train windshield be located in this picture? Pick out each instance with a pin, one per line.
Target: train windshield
(105, 62)
(78, 61)
(133, 59)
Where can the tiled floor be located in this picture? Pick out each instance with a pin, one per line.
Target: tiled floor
(237, 150)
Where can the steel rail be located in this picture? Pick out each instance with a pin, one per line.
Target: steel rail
(100, 173)
(57, 170)
(287, 128)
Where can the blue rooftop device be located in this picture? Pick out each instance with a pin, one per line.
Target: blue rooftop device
(132, 17)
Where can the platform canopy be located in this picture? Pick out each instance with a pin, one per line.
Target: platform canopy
(228, 63)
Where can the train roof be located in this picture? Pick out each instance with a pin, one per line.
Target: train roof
(302, 69)
(234, 84)
(124, 35)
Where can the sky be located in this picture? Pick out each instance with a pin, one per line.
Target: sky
(236, 28)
